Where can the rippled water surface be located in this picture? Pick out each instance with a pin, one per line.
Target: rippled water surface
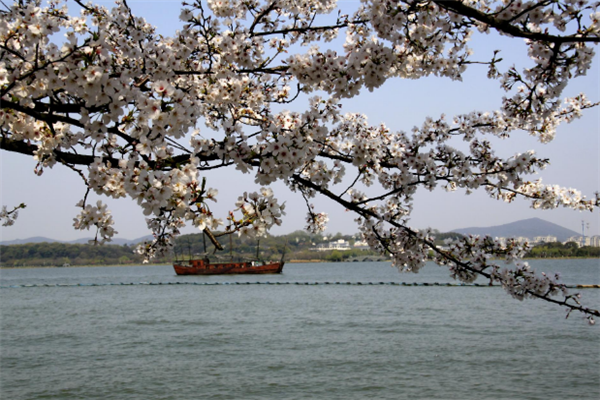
(280, 341)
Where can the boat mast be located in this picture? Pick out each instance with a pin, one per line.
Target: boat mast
(284, 249)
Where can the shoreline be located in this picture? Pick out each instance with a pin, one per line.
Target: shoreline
(313, 261)
(84, 266)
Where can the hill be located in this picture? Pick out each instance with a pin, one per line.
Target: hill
(527, 228)
(35, 239)
(41, 239)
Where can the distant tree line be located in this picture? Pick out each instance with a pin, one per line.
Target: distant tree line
(563, 250)
(298, 246)
(60, 254)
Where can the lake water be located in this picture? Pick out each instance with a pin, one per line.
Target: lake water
(107, 339)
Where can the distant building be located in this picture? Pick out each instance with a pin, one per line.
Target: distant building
(595, 241)
(574, 239)
(522, 239)
(580, 240)
(360, 245)
(340, 244)
(545, 239)
(519, 239)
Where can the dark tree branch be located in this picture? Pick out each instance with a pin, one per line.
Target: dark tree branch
(23, 147)
(460, 8)
(465, 265)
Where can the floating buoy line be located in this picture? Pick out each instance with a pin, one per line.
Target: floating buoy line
(33, 285)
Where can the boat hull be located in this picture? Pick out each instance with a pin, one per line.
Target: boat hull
(200, 267)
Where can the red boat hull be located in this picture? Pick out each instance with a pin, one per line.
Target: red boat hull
(200, 267)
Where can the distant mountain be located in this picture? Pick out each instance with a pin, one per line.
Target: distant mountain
(117, 241)
(41, 239)
(35, 239)
(527, 228)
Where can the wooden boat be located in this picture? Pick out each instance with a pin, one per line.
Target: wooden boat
(204, 267)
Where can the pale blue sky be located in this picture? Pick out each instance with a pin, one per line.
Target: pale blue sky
(401, 104)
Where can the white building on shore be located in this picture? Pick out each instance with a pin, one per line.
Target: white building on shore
(361, 245)
(581, 241)
(339, 244)
(544, 239)
(593, 241)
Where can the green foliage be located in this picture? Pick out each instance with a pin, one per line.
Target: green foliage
(335, 255)
(566, 250)
(298, 246)
(441, 237)
(59, 254)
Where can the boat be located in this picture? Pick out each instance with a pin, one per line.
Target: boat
(205, 267)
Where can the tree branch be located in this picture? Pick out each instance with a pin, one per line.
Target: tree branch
(460, 8)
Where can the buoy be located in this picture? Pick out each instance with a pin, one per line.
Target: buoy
(449, 284)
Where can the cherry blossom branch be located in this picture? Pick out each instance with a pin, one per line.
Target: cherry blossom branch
(505, 26)
(8, 217)
(548, 288)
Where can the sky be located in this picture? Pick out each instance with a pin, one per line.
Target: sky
(400, 104)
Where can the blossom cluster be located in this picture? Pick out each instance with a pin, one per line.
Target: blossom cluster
(259, 212)
(98, 217)
(475, 255)
(7, 217)
(407, 247)
(316, 222)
